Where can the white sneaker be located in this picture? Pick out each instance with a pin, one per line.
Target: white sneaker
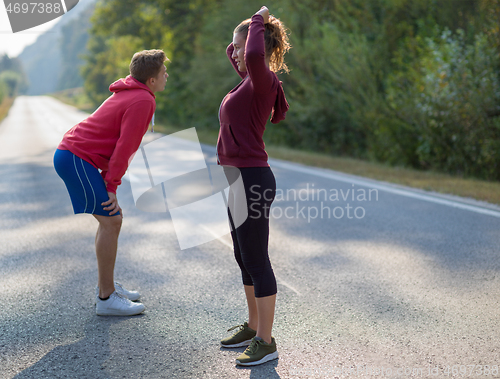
(117, 305)
(131, 295)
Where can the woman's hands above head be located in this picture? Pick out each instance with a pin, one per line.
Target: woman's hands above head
(264, 12)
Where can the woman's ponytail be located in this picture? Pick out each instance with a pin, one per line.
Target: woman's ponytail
(277, 45)
(276, 41)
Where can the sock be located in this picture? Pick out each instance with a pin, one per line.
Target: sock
(106, 298)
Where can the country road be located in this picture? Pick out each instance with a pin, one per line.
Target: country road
(374, 280)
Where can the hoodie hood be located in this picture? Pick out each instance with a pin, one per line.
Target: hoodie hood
(129, 83)
(280, 106)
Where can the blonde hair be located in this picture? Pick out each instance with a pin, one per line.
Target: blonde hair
(276, 41)
(147, 64)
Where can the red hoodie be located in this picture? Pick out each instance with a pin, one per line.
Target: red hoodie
(245, 110)
(110, 136)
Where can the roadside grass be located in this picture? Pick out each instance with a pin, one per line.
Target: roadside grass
(75, 97)
(5, 106)
(426, 180)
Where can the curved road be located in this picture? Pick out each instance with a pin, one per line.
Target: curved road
(374, 280)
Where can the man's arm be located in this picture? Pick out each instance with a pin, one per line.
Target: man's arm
(134, 125)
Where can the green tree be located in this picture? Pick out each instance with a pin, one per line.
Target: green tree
(366, 75)
(446, 102)
(12, 76)
(13, 82)
(165, 24)
(3, 91)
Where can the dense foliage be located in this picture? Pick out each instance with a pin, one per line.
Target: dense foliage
(12, 77)
(413, 83)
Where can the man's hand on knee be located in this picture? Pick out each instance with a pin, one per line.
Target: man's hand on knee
(112, 205)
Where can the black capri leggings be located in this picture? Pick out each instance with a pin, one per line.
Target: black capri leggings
(250, 239)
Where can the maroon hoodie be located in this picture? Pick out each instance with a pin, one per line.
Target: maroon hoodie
(109, 137)
(246, 108)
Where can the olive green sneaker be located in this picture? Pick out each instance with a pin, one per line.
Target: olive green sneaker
(242, 337)
(258, 352)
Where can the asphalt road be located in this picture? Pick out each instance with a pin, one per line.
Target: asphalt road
(390, 283)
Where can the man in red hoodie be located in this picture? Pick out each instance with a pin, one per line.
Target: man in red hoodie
(94, 155)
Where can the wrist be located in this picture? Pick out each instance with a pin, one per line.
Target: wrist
(264, 12)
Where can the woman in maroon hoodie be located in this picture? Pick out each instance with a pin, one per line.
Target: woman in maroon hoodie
(256, 53)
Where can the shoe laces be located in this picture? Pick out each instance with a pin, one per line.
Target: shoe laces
(254, 345)
(122, 297)
(237, 326)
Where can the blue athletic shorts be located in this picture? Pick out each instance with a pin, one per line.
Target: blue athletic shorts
(84, 183)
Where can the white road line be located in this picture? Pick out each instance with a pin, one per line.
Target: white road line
(375, 184)
(225, 243)
(370, 184)
(383, 187)
(283, 283)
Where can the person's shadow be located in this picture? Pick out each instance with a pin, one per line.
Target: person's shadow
(85, 358)
(266, 370)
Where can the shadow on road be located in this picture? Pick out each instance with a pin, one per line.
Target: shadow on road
(265, 371)
(31, 191)
(87, 358)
